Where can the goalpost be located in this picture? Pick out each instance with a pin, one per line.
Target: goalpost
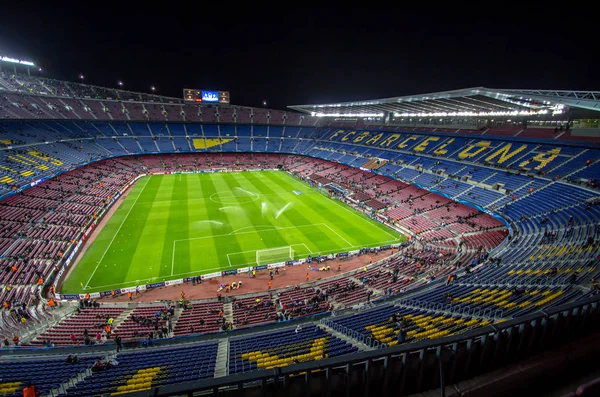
(274, 255)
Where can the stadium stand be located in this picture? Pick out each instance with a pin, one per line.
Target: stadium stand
(139, 371)
(45, 374)
(286, 347)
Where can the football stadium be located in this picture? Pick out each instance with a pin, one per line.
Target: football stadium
(436, 243)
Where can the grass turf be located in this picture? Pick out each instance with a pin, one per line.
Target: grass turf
(174, 226)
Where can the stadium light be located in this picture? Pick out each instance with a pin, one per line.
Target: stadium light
(120, 83)
(81, 77)
(264, 103)
(14, 60)
(476, 114)
(39, 69)
(558, 109)
(153, 88)
(318, 114)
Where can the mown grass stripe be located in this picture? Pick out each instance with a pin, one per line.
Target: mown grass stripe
(222, 247)
(177, 226)
(264, 238)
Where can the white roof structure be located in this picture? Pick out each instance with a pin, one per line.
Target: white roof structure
(477, 101)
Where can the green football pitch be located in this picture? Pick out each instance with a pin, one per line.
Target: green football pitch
(180, 225)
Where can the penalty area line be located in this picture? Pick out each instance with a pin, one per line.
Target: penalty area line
(173, 258)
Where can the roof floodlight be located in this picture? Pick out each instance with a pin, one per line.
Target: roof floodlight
(15, 60)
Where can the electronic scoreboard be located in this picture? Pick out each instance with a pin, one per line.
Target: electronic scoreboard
(205, 96)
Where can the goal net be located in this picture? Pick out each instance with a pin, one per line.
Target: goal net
(274, 255)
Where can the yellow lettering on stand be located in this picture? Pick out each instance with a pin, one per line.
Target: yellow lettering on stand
(467, 153)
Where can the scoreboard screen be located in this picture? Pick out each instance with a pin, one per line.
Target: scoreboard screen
(205, 96)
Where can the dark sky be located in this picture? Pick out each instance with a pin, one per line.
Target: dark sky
(288, 54)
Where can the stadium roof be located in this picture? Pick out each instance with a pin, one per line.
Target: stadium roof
(477, 101)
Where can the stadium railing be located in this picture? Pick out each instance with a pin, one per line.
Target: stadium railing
(411, 368)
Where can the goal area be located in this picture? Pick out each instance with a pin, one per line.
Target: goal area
(274, 255)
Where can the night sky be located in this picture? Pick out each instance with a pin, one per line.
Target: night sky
(287, 54)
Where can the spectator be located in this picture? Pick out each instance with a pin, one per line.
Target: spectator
(401, 336)
(72, 359)
(30, 390)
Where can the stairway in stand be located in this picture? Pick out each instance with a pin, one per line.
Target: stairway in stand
(222, 363)
(228, 312)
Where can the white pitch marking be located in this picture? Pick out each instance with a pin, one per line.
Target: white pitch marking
(337, 234)
(266, 227)
(291, 245)
(173, 258)
(115, 235)
(253, 231)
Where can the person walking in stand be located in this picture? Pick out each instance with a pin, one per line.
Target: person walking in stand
(118, 342)
(130, 295)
